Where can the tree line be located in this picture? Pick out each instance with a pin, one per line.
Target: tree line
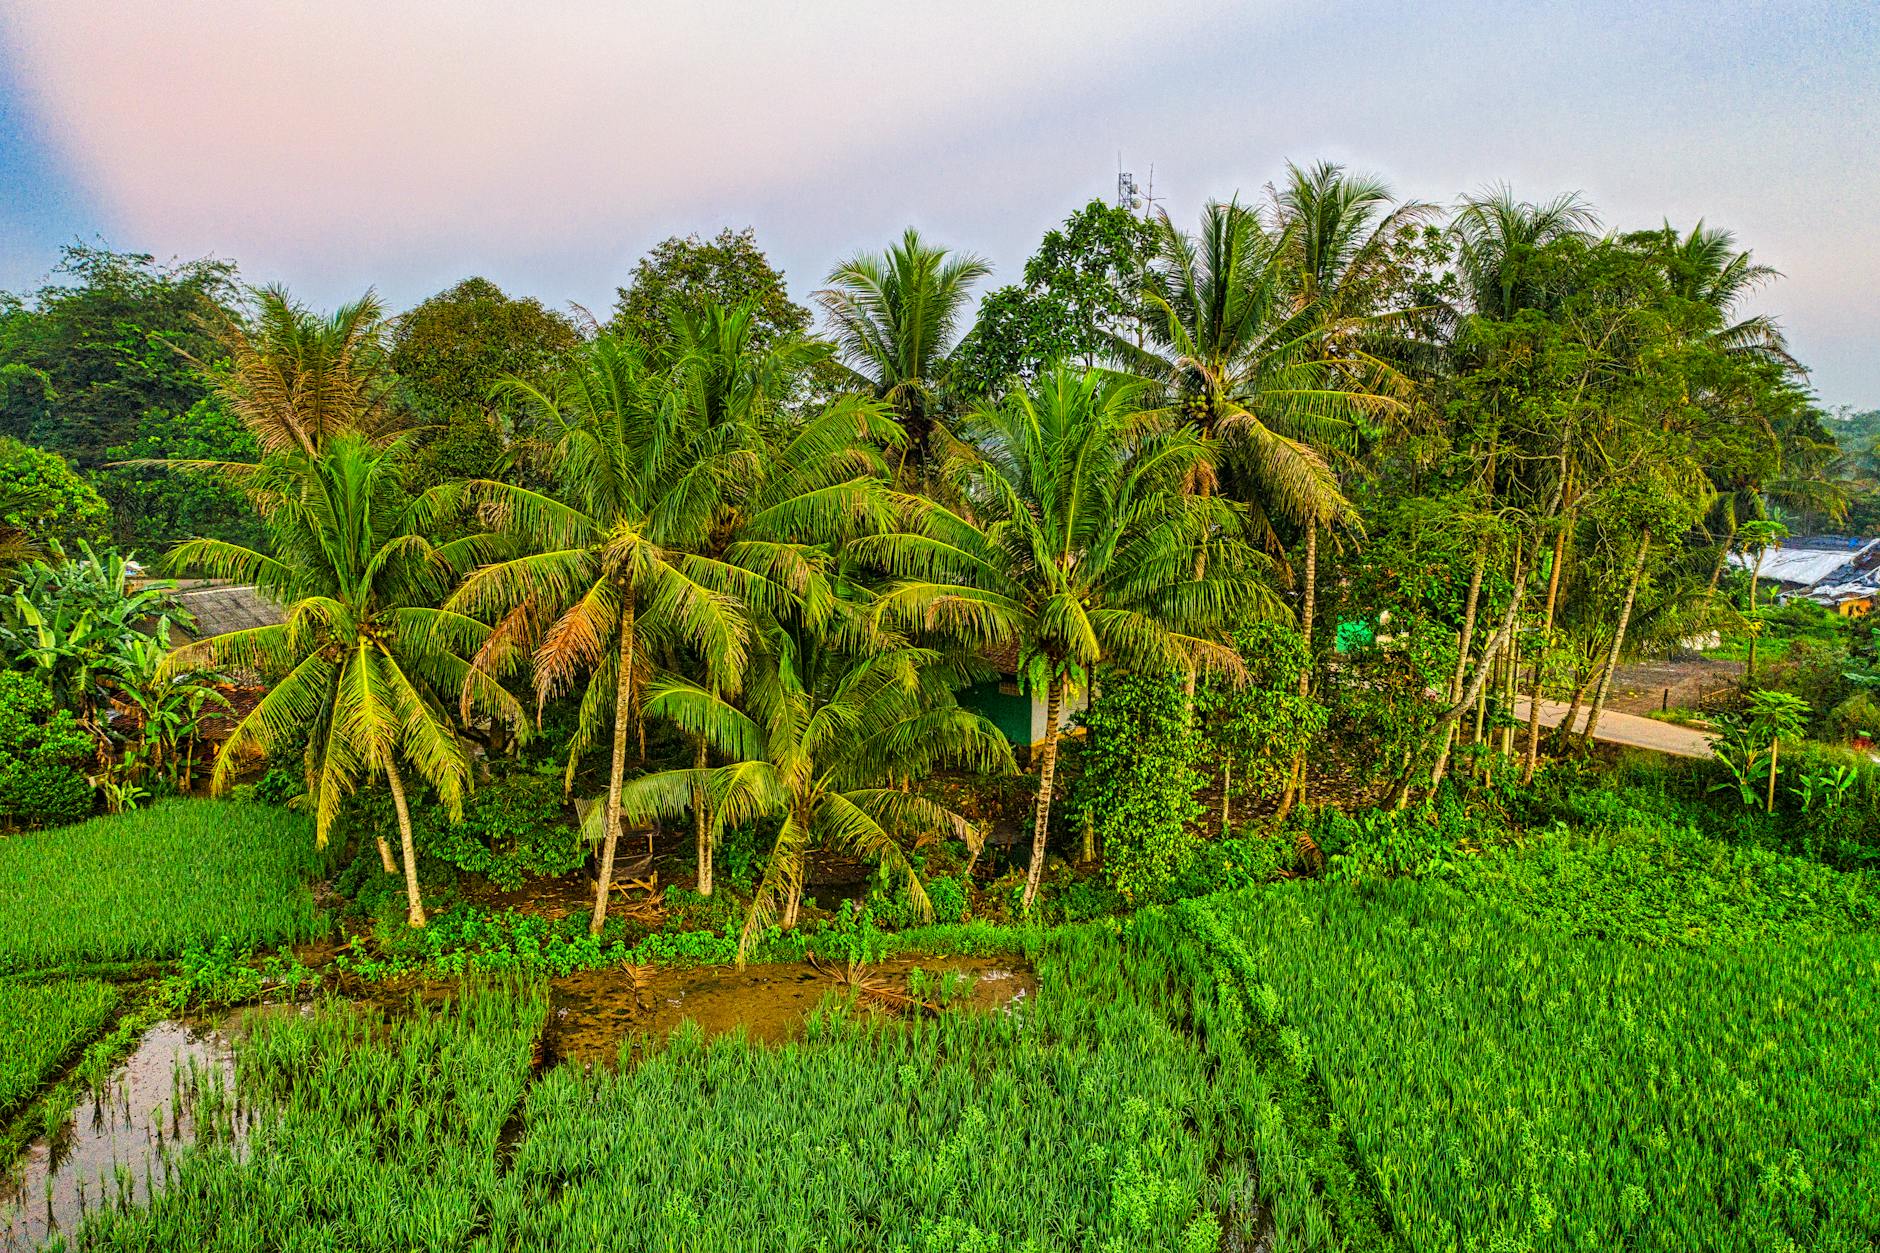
(1394, 463)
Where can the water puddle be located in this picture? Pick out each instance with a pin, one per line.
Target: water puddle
(176, 1088)
(596, 1010)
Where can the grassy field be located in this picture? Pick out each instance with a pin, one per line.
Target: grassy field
(146, 884)
(1511, 1088)
(42, 1024)
(1087, 1120)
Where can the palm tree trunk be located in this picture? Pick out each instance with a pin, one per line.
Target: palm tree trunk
(616, 778)
(1047, 771)
(415, 915)
(1755, 632)
(702, 821)
(1227, 785)
(1618, 638)
(1533, 754)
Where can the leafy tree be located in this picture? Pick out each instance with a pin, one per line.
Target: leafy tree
(895, 316)
(44, 500)
(450, 352)
(1076, 544)
(106, 344)
(364, 664)
(153, 506)
(1773, 716)
(693, 274)
(1082, 287)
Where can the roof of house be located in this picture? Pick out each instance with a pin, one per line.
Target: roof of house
(223, 607)
(1801, 562)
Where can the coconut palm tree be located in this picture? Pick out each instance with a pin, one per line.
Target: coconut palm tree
(613, 572)
(1077, 544)
(298, 380)
(364, 664)
(815, 478)
(835, 720)
(1338, 229)
(896, 317)
(1496, 238)
(1271, 379)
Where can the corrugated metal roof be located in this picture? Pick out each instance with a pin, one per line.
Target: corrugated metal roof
(1802, 565)
(228, 607)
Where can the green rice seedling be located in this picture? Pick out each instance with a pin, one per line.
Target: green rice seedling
(1511, 1087)
(43, 1024)
(1087, 1119)
(148, 883)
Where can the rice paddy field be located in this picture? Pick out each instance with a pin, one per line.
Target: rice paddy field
(1477, 1062)
(1512, 1088)
(146, 884)
(1088, 1117)
(42, 1025)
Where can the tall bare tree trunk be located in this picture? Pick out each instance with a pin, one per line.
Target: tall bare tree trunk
(702, 821)
(1723, 559)
(415, 914)
(1047, 771)
(1227, 786)
(1755, 627)
(1533, 755)
(385, 856)
(1462, 660)
(617, 772)
(1618, 638)
(1478, 686)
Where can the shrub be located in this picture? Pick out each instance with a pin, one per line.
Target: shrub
(40, 749)
(1137, 789)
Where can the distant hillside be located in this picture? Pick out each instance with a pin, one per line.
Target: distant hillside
(1854, 431)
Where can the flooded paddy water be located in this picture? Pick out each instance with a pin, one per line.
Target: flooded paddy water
(177, 1087)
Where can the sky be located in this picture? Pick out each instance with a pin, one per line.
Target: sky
(336, 145)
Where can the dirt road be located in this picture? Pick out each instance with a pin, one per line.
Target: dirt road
(1628, 729)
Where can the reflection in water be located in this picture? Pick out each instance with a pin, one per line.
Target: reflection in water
(176, 1089)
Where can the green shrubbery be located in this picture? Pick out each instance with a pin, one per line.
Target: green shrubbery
(1137, 789)
(41, 748)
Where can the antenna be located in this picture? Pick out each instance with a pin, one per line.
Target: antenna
(1126, 197)
(1149, 197)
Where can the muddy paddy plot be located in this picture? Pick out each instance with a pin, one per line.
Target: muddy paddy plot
(594, 1012)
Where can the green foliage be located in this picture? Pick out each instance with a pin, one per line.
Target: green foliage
(41, 751)
(148, 884)
(692, 274)
(1081, 287)
(55, 504)
(1514, 1088)
(153, 508)
(1256, 727)
(43, 1024)
(1138, 785)
(107, 344)
(511, 828)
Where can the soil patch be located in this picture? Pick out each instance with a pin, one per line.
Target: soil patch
(596, 1011)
